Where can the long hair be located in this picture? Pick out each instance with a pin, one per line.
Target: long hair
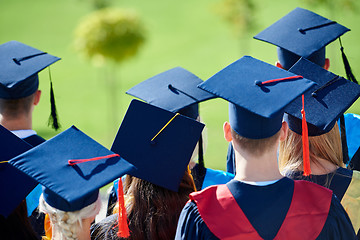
(326, 146)
(152, 211)
(17, 225)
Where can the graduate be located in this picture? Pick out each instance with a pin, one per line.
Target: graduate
(19, 95)
(324, 104)
(72, 167)
(266, 204)
(14, 187)
(176, 90)
(159, 144)
(19, 92)
(302, 33)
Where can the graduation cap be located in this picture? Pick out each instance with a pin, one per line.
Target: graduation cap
(20, 65)
(68, 186)
(14, 184)
(324, 102)
(157, 142)
(302, 33)
(174, 90)
(258, 94)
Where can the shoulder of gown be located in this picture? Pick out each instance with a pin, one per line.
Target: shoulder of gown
(338, 224)
(191, 225)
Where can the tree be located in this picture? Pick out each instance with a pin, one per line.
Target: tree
(110, 36)
(241, 15)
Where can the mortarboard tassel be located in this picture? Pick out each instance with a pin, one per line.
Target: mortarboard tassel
(305, 140)
(350, 76)
(123, 231)
(343, 140)
(47, 228)
(53, 120)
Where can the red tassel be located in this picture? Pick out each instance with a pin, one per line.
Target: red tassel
(282, 79)
(123, 231)
(305, 140)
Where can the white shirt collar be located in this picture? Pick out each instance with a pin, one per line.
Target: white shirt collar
(264, 183)
(24, 133)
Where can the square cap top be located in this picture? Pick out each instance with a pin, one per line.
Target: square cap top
(71, 187)
(19, 65)
(14, 184)
(258, 93)
(302, 32)
(157, 142)
(324, 102)
(173, 90)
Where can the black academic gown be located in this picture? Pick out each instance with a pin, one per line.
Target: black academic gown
(266, 208)
(339, 182)
(34, 140)
(36, 218)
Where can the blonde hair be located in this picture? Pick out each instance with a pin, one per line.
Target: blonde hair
(326, 146)
(66, 225)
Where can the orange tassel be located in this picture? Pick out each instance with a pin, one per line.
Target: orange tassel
(123, 231)
(47, 228)
(305, 140)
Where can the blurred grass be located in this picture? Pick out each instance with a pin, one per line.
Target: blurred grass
(186, 33)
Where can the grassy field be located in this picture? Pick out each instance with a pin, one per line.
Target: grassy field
(186, 33)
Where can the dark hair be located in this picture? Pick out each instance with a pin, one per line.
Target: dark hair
(153, 211)
(17, 225)
(12, 108)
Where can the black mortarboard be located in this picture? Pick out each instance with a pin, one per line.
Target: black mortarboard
(14, 184)
(157, 142)
(20, 64)
(324, 102)
(258, 94)
(71, 187)
(174, 90)
(302, 33)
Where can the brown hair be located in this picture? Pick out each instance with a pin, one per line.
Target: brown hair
(153, 211)
(17, 224)
(326, 146)
(12, 108)
(255, 146)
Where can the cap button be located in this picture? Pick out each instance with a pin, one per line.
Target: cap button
(258, 82)
(301, 30)
(314, 94)
(16, 61)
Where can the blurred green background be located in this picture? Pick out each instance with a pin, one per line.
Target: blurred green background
(190, 34)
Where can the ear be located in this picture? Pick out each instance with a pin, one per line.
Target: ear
(37, 97)
(284, 131)
(278, 64)
(327, 64)
(227, 132)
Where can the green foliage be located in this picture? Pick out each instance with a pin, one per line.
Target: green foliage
(239, 13)
(111, 33)
(335, 4)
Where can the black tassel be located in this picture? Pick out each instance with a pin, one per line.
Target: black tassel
(201, 153)
(343, 140)
(355, 161)
(53, 120)
(350, 76)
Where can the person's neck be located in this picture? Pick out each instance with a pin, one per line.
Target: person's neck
(257, 168)
(322, 166)
(19, 123)
(84, 233)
